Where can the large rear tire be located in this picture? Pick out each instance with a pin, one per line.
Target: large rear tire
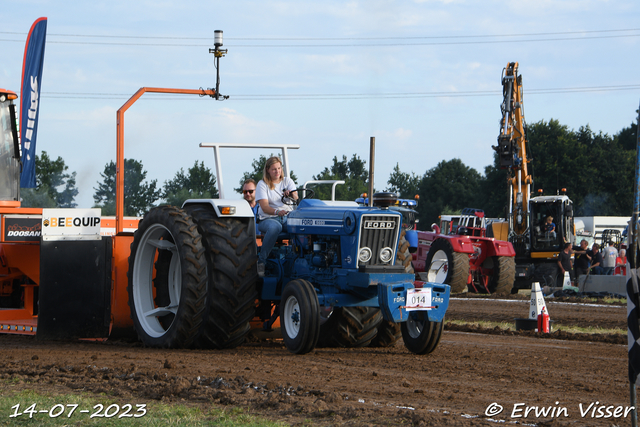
(173, 316)
(389, 333)
(403, 256)
(420, 335)
(443, 265)
(504, 275)
(350, 327)
(231, 257)
(299, 316)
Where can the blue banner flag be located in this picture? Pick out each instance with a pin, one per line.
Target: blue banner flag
(29, 99)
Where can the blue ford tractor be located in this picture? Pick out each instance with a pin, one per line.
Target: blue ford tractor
(332, 278)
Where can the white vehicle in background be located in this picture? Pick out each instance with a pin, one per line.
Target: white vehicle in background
(591, 228)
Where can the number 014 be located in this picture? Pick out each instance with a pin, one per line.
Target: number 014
(418, 299)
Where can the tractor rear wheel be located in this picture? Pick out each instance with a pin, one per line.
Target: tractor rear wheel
(388, 334)
(504, 275)
(403, 256)
(299, 316)
(231, 257)
(174, 315)
(420, 335)
(350, 327)
(443, 265)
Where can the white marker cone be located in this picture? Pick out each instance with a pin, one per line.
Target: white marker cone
(537, 301)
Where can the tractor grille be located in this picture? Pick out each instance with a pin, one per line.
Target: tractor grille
(377, 232)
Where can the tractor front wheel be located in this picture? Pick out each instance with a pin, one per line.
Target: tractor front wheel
(420, 335)
(300, 316)
(446, 266)
(167, 310)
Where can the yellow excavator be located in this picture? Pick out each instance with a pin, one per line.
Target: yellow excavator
(537, 227)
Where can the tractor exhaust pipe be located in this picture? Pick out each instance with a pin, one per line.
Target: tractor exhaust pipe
(372, 159)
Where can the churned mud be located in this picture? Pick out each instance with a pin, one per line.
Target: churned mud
(553, 379)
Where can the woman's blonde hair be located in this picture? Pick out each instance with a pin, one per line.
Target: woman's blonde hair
(265, 174)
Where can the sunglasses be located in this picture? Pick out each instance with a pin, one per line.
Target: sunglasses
(247, 191)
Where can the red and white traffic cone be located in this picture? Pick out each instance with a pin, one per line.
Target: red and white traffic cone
(543, 321)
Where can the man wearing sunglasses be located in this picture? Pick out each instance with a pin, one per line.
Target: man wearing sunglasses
(249, 194)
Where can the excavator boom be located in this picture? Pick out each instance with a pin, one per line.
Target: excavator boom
(512, 152)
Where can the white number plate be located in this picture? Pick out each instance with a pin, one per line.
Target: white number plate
(418, 299)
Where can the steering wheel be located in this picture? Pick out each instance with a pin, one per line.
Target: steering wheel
(291, 201)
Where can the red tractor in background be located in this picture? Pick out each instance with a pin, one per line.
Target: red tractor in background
(463, 257)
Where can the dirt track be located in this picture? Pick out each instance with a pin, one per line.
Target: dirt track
(452, 386)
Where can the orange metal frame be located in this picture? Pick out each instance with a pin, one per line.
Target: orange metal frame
(120, 141)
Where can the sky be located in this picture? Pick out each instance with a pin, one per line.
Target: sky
(423, 77)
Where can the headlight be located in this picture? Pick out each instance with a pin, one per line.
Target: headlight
(364, 255)
(386, 254)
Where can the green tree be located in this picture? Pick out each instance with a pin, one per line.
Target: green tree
(257, 172)
(450, 186)
(352, 171)
(198, 183)
(139, 195)
(55, 187)
(595, 168)
(494, 190)
(404, 184)
(628, 137)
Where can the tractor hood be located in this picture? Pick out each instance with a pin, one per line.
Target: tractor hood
(336, 218)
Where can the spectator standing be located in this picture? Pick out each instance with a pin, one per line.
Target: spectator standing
(582, 259)
(596, 259)
(609, 256)
(564, 261)
(621, 263)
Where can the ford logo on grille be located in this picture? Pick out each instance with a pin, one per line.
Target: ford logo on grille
(380, 224)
